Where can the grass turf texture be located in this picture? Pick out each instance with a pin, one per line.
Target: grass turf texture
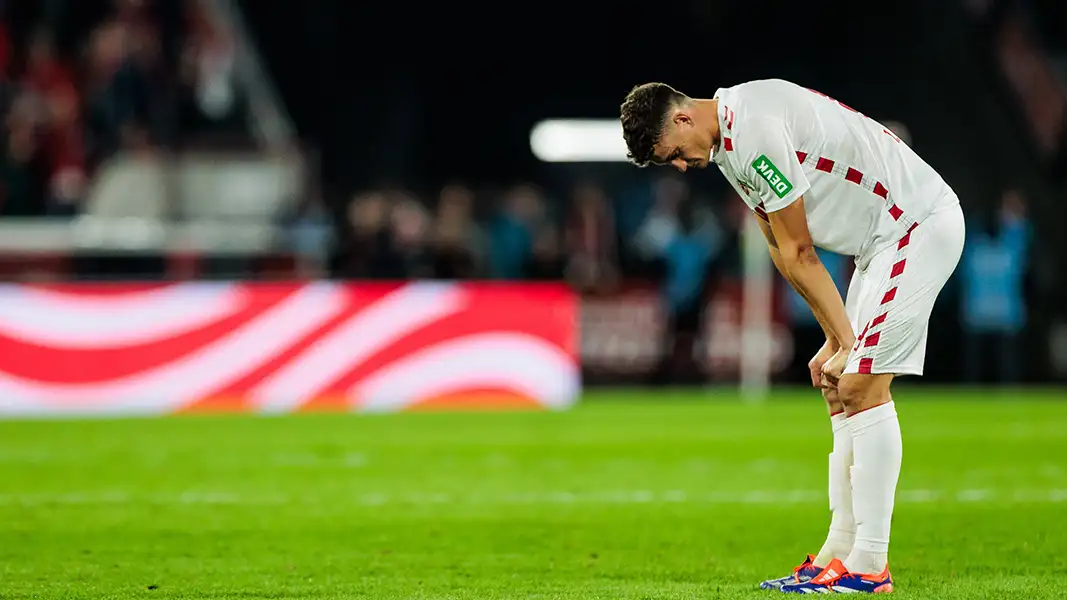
(629, 496)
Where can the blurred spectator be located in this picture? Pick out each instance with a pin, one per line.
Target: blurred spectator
(512, 231)
(547, 261)
(591, 238)
(688, 247)
(48, 85)
(45, 70)
(126, 83)
(458, 242)
(994, 265)
(365, 235)
(687, 256)
(207, 70)
(631, 207)
(23, 168)
(664, 223)
(310, 235)
(661, 224)
(407, 255)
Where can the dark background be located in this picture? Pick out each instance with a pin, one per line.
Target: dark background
(428, 95)
(394, 100)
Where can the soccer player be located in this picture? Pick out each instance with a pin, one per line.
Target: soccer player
(819, 174)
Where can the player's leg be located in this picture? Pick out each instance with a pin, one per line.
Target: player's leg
(893, 342)
(842, 524)
(877, 452)
(842, 532)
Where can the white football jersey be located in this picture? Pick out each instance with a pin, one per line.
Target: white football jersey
(863, 187)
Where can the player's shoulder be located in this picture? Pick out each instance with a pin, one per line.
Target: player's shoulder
(759, 104)
(759, 92)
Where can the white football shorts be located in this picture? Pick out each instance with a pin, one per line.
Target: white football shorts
(889, 303)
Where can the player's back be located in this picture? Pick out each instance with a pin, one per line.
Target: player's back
(867, 187)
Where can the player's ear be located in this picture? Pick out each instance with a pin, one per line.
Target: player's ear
(683, 119)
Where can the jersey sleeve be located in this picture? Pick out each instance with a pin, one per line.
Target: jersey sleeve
(770, 164)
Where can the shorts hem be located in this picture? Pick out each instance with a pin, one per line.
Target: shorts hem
(898, 371)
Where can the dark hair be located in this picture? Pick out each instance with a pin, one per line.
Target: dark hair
(644, 115)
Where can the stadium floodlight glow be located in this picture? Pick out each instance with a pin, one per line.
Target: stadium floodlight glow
(578, 140)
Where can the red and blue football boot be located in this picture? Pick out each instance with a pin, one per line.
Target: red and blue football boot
(835, 579)
(801, 573)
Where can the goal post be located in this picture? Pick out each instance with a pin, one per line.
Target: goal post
(757, 305)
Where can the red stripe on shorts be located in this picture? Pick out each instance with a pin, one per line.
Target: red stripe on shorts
(868, 340)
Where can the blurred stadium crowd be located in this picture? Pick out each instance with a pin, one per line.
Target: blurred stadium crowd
(82, 82)
(79, 84)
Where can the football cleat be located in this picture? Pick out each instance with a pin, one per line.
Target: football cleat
(835, 579)
(801, 573)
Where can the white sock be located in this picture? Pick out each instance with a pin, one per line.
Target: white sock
(842, 524)
(877, 451)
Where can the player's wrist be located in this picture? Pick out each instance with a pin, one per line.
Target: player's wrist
(836, 343)
(845, 343)
(832, 343)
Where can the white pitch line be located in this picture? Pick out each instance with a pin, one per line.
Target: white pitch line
(779, 497)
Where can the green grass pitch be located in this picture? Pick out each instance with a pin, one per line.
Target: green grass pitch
(636, 495)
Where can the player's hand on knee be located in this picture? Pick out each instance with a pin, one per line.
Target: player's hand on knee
(815, 365)
(826, 384)
(835, 367)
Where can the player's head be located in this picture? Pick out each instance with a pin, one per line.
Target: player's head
(660, 126)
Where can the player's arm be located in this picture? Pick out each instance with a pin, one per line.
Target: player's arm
(776, 258)
(772, 246)
(807, 273)
(780, 183)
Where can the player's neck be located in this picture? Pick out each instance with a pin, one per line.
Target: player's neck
(708, 111)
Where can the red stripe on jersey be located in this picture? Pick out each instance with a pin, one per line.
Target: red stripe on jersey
(872, 340)
(904, 241)
(889, 296)
(727, 144)
(855, 176)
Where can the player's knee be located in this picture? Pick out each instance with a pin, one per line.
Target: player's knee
(833, 402)
(860, 392)
(830, 394)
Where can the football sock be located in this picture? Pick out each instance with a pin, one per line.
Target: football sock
(877, 450)
(842, 523)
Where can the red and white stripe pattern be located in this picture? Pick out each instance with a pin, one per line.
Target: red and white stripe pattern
(853, 175)
(124, 349)
(867, 342)
(728, 120)
(832, 167)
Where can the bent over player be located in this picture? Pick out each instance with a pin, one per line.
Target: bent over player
(819, 174)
